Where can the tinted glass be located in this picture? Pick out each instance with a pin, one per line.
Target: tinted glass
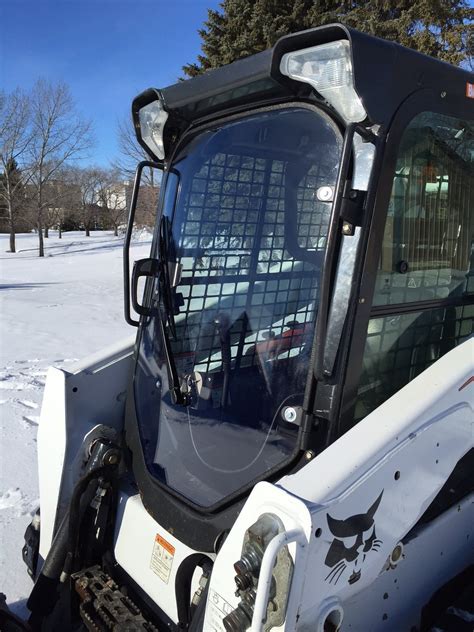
(429, 233)
(248, 235)
(427, 254)
(399, 347)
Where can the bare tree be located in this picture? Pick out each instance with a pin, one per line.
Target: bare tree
(112, 197)
(15, 138)
(90, 180)
(146, 206)
(62, 197)
(59, 137)
(130, 154)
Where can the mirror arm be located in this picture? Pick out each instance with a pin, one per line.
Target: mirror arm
(128, 238)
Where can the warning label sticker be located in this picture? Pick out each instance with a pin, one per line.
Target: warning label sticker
(162, 558)
(470, 90)
(217, 609)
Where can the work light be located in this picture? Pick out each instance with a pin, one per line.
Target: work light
(328, 68)
(149, 117)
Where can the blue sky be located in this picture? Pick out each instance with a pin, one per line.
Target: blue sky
(106, 50)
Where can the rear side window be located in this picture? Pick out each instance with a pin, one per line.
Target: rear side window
(401, 346)
(427, 245)
(423, 302)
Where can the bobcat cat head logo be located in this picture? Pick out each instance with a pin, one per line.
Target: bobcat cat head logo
(354, 538)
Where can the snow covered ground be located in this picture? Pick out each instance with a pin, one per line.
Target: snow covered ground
(53, 311)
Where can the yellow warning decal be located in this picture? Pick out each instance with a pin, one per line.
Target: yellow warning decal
(162, 558)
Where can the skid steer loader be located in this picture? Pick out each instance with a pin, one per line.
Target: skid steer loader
(288, 442)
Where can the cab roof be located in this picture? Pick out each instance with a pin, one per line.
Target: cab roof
(385, 74)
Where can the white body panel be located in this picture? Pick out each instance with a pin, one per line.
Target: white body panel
(420, 433)
(92, 392)
(295, 515)
(404, 450)
(437, 552)
(135, 538)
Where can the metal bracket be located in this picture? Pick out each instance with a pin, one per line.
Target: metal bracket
(352, 209)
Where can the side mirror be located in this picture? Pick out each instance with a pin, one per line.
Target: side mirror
(143, 268)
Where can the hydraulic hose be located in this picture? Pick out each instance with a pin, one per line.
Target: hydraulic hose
(186, 610)
(79, 502)
(44, 594)
(54, 562)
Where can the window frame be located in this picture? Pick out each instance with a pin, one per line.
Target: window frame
(163, 504)
(435, 101)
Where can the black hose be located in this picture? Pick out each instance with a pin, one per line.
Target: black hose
(44, 594)
(183, 580)
(79, 501)
(54, 561)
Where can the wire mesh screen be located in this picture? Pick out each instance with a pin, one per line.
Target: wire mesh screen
(235, 260)
(427, 254)
(400, 347)
(429, 230)
(245, 237)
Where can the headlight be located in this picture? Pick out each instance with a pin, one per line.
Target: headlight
(328, 68)
(149, 120)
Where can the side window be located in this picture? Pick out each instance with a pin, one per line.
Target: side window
(427, 256)
(427, 245)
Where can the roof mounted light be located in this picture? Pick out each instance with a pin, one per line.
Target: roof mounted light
(149, 117)
(328, 68)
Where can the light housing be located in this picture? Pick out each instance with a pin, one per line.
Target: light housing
(328, 68)
(149, 118)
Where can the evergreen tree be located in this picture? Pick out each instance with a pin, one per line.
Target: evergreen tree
(440, 28)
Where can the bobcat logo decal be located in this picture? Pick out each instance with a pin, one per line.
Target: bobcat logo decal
(354, 538)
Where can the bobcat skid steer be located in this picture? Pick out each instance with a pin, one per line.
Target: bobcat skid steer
(288, 443)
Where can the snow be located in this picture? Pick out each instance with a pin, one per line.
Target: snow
(54, 311)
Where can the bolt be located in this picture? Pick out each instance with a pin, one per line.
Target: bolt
(396, 554)
(443, 94)
(111, 458)
(347, 228)
(289, 414)
(308, 455)
(324, 194)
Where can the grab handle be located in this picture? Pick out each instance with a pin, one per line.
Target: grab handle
(266, 573)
